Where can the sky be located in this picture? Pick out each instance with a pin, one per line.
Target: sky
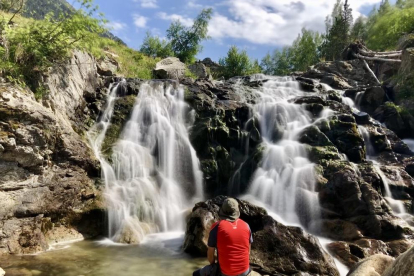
(257, 26)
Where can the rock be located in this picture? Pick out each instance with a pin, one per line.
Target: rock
(314, 137)
(199, 69)
(347, 253)
(2, 272)
(372, 266)
(400, 122)
(372, 98)
(343, 132)
(336, 82)
(361, 118)
(170, 68)
(277, 249)
(340, 230)
(403, 265)
(107, 66)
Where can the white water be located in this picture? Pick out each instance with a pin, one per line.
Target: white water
(154, 175)
(285, 180)
(368, 144)
(396, 205)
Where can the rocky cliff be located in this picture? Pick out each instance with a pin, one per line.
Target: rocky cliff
(50, 187)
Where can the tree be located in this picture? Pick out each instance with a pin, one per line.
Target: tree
(384, 7)
(36, 47)
(238, 63)
(359, 30)
(278, 63)
(338, 36)
(12, 6)
(153, 46)
(186, 42)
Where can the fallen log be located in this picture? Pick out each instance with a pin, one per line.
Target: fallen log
(377, 58)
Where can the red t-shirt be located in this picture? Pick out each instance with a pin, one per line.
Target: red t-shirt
(232, 240)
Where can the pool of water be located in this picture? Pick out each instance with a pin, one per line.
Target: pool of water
(157, 255)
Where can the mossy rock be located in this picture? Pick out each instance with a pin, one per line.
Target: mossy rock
(122, 111)
(320, 154)
(314, 137)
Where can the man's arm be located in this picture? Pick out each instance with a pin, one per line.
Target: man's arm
(210, 255)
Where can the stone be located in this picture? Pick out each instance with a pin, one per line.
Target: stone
(347, 253)
(372, 266)
(314, 137)
(107, 66)
(170, 68)
(361, 118)
(403, 265)
(199, 69)
(372, 98)
(336, 82)
(400, 123)
(277, 249)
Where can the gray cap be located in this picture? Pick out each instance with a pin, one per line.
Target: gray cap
(229, 210)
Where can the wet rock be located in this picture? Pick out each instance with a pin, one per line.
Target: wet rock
(347, 253)
(343, 132)
(400, 122)
(372, 98)
(340, 230)
(372, 266)
(314, 137)
(403, 265)
(361, 118)
(309, 100)
(170, 68)
(307, 84)
(277, 249)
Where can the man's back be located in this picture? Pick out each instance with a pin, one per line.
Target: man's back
(232, 240)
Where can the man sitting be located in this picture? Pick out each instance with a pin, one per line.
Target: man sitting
(232, 238)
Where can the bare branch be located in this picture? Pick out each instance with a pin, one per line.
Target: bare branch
(17, 11)
(377, 59)
(371, 72)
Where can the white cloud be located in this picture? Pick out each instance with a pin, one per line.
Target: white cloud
(171, 17)
(116, 26)
(274, 22)
(150, 4)
(192, 4)
(140, 21)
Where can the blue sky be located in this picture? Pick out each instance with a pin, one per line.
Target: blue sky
(258, 26)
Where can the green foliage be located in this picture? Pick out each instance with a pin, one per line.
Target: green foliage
(238, 63)
(39, 9)
(37, 45)
(298, 57)
(359, 30)
(338, 34)
(154, 47)
(186, 42)
(389, 27)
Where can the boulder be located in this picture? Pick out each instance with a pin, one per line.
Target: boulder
(335, 82)
(403, 265)
(372, 266)
(361, 118)
(107, 66)
(397, 120)
(199, 69)
(170, 68)
(276, 250)
(372, 98)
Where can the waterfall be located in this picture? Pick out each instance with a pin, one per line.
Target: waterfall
(285, 180)
(368, 144)
(154, 174)
(396, 205)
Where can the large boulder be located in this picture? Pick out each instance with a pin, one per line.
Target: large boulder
(199, 69)
(372, 98)
(403, 265)
(170, 68)
(396, 119)
(276, 250)
(372, 266)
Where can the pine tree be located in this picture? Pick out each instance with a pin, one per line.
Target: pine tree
(384, 7)
(337, 37)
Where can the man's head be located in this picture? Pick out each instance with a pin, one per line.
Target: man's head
(229, 210)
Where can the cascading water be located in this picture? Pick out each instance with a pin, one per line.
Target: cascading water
(154, 174)
(285, 180)
(367, 140)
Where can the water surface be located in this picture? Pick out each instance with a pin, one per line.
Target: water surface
(158, 255)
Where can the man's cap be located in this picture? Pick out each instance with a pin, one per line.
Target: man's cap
(229, 210)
